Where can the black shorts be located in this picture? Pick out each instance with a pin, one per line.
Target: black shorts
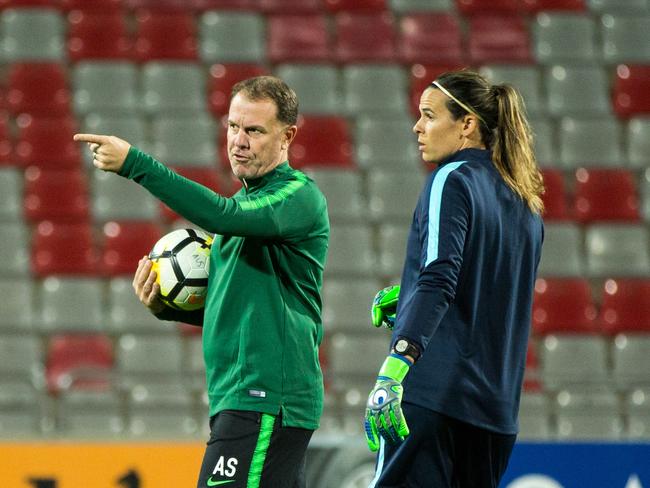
(252, 449)
(442, 452)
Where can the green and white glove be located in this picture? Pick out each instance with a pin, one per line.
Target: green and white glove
(384, 407)
(384, 307)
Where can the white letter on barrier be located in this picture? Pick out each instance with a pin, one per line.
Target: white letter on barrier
(534, 481)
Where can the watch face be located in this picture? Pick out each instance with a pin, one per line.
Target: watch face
(401, 345)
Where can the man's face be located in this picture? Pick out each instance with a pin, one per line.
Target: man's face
(438, 133)
(257, 140)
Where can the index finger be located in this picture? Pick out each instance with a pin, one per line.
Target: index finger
(96, 138)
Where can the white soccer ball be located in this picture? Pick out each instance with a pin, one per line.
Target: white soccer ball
(181, 260)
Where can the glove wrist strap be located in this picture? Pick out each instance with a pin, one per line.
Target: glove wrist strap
(395, 367)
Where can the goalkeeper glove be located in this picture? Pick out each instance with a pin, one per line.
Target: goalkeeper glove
(384, 407)
(384, 307)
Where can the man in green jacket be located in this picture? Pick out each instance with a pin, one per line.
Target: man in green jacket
(262, 319)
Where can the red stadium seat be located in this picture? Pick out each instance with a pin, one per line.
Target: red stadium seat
(29, 3)
(298, 38)
(165, 35)
(38, 89)
(6, 142)
(322, 141)
(632, 91)
(207, 177)
(367, 5)
(221, 80)
(421, 78)
(57, 195)
(605, 194)
(88, 5)
(494, 39)
(540, 5)
(418, 45)
(625, 306)
(63, 249)
(555, 196)
(563, 305)
(47, 142)
(78, 362)
(532, 380)
(87, 37)
(472, 7)
(364, 37)
(124, 245)
(285, 6)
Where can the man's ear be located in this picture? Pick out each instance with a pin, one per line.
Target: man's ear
(288, 135)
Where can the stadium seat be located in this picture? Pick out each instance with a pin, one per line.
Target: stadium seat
(617, 250)
(638, 142)
(32, 35)
(616, 6)
(374, 150)
(132, 128)
(47, 142)
(18, 307)
(588, 415)
(631, 88)
(577, 90)
(171, 88)
(625, 38)
(346, 304)
(605, 194)
(6, 141)
(22, 359)
(124, 244)
(414, 6)
(348, 5)
(346, 365)
(221, 79)
(11, 195)
(625, 307)
(108, 87)
(364, 37)
(351, 251)
(107, 6)
(165, 36)
(637, 406)
(392, 249)
(71, 304)
(14, 242)
(417, 45)
(498, 39)
(189, 140)
(318, 87)
(283, 6)
(343, 190)
(500, 7)
(562, 252)
(298, 38)
(57, 195)
(63, 249)
(22, 4)
(78, 361)
(364, 95)
(116, 198)
(193, 363)
(163, 422)
(631, 360)
(322, 141)
(563, 306)
(591, 143)
(564, 37)
(91, 415)
(207, 177)
(385, 188)
(532, 375)
(574, 359)
(125, 313)
(203, 5)
(20, 411)
(534, 417)
(421, 77)
(232, 37)
(645, 195)
(38, 89)
(147, 358)
(550, 5)
(526, 79)
(87, 37)
(555, 195)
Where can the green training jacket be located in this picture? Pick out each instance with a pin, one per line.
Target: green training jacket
(262, 320)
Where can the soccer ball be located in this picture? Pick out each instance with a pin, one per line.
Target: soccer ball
(181, 260)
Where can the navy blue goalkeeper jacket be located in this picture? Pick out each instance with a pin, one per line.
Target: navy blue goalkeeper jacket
(466, 293)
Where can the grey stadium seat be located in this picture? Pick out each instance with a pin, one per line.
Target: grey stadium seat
(392, 195)
(375, 89)
(591, 142)
(108, 87)
(574, 360)
(638, 141)
(116, 198)
(562, 252)
(545, 141)
(577, 90)
(132, 128)
(526, 79)
(22, 358)
(18, 304)
(346, 364)
(343, 189)
(626, 38)
(173, 88)
(193, 363)
(346, 304)
(148, 358)
(631, 361)
(408, 6)
(32, 35)
(232, 37)
(534, 416)
(617, 250)
(127, 314)
(386, 143)
(582, 414)
(11, 195)
(71, 304)
(392, 248)
(20, 412)
(645, 195)
(91, 415)
(560, 37)
(14, 242)
(351, 251)
(185, 140)
(619, 6)
(318, 87)
(637, 407)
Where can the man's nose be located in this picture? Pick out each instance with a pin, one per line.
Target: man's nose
(240, 139)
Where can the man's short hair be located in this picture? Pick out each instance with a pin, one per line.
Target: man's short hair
(274, 89)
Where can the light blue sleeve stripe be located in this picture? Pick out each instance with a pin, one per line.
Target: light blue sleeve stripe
(435, 197)
(380, 463)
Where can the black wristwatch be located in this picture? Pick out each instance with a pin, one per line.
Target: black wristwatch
(404, 347)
